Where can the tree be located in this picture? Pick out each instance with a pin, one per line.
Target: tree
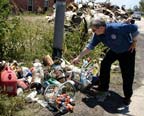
(141, 4)
(4, 12)
(136, 8)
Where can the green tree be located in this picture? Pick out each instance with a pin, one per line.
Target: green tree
(141, 4)
(4, 12)
(136, 8)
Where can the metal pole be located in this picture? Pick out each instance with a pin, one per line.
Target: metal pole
(59, 29)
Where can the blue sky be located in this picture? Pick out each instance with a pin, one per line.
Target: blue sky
(128, 3)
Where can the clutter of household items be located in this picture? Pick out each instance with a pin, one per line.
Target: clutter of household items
(57, 81)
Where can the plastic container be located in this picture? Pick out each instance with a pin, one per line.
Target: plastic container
(54, 81)
(31, 96)
(84, 81)
(19, 92)
(8, 82)
(55, 91)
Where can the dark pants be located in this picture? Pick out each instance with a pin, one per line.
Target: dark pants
(127, 65)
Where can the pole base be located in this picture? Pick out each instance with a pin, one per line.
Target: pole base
(57, 53)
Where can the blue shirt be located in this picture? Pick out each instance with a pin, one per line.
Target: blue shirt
(118, 37)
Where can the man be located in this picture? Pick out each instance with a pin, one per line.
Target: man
(121, 39)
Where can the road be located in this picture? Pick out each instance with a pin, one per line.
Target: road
(141, 25)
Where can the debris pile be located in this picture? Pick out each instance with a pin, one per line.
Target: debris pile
(57, 81)
(83, 13)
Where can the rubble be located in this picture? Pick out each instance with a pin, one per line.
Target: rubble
(84, 12)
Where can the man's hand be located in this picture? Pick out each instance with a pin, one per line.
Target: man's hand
(132, 47)
(75, 61)
(83, 53)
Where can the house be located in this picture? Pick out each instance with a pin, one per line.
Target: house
(33, 5)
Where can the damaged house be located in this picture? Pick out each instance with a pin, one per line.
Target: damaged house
(33, 5)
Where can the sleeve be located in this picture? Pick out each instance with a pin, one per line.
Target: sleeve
(93, 42)
(131, 29)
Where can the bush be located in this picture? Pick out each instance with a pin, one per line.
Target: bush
(4, 27)
(28, 39)
(74, 44)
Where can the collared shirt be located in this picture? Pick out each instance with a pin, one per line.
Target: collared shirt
(118, 37)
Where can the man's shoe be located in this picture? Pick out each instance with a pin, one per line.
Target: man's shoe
(126, 101)
(102, 95)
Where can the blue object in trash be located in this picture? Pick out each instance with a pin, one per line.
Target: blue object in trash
(45, 84)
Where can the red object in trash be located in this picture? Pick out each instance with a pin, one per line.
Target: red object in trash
(22, 84)
(8, 82)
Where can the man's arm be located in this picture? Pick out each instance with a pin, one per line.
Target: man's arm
(90, 46)
(133, 44)
(82, 54)
(131, 29)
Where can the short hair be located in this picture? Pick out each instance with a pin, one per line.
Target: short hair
(97, 23)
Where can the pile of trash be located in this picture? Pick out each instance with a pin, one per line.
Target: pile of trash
(57, 81)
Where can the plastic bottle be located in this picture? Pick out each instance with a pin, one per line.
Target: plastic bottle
(31, 96)
(83, 79)
(53, 81)
(19, 92)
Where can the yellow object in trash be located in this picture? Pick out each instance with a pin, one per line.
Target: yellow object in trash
(95, 71)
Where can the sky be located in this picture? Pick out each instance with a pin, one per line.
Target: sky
(128, 3)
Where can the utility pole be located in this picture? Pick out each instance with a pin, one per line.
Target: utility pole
(59, 29)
